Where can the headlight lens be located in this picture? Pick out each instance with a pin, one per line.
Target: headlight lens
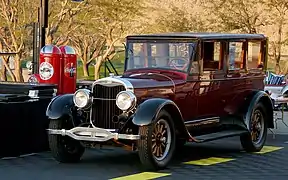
(125, 100)
(82, 98)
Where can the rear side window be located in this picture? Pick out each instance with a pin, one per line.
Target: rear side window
(254, 55)
(235, 58)
(211, 56)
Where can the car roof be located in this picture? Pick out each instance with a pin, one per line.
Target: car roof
(210, 36)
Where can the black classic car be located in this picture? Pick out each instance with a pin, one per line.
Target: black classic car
(176, 88)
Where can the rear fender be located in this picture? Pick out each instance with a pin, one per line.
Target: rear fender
(264, 98)
(149, 109)
(60, 106)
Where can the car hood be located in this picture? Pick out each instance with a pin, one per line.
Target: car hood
(152, 80)
(147, 85)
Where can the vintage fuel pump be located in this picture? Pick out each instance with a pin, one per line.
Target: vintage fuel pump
(49, 65)
(57, 66)
(68, 70)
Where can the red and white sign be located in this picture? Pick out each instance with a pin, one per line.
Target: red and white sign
(46, 71)
(70, 70)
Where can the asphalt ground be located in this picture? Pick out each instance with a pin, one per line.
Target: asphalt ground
(221, 159)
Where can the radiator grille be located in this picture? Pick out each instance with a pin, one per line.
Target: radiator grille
(104, 106)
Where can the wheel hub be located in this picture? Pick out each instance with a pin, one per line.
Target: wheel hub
(160, 139)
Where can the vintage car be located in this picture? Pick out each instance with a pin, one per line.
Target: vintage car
(276, 86)
(176, 88)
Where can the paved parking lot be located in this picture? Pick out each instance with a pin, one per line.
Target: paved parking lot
(281, 127)
(222, 159)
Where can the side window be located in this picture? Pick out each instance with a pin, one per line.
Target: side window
(138, 54)
(211, 56)
(235, 58)
(253, 55)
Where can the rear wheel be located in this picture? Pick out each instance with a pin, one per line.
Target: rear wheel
(63, 148)
(157, 143)
(255, 140)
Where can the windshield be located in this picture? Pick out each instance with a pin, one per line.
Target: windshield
(168, 55)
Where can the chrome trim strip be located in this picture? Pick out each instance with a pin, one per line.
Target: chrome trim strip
(216, 119)
(115, 79)
(92, 134)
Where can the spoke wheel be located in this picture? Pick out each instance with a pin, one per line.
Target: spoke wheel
(257, 126)
(161, 140)
(157, 144)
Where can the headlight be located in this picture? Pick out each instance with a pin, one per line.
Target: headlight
(125, 100)
(82, 98)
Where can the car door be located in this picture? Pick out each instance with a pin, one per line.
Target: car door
(210, 103)
(236, 78)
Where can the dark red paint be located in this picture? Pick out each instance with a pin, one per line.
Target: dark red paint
(68, 70)
(216, 96)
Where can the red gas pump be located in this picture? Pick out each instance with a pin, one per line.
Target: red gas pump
(49, 65)
(57, 66)
(68, 70)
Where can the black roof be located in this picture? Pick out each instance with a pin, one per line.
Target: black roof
(198, 36)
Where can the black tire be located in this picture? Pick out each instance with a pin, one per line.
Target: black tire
(145, 145)
(246, 140)
(63, 148)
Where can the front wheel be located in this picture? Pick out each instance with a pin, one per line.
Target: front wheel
(157, 143)
(63, 148)
(255, 140)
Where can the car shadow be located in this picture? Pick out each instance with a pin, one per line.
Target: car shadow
(123, 160)
(114, 162)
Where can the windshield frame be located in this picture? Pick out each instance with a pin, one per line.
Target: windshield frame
(161, 40)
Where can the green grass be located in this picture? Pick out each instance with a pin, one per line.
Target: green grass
(117, 61)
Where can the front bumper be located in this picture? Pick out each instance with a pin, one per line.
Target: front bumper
(92, 134)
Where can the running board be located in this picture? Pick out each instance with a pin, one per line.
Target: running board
(219, 135)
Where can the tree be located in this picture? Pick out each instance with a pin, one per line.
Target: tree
(115, 19)
(88, 47)
(61, 24)
(246, 16)
(14, 20)
(106, 22)
(178, 20)
(5, 65)
(86, 40)
(174, 16)
(278, 12)
(4, 59)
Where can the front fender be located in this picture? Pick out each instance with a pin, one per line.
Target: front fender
(264, 98)
(60, 106)
(149, 109)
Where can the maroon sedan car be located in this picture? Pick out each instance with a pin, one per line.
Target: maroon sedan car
(176, 88)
